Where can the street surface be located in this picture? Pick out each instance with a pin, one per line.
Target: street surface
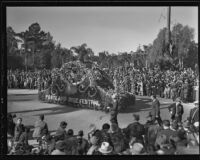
(24, 103)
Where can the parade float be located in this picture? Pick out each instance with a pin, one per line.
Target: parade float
(78, 85)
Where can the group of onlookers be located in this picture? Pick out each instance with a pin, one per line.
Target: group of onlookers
(155, 137)
(22, 79)
(18, 79)
(145, 82)
(166, 84)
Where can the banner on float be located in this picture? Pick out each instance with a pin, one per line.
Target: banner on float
(66, 100)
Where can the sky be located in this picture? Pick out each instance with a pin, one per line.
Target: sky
(112, 29)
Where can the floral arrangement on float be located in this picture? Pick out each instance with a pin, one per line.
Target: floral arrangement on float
(74, 83)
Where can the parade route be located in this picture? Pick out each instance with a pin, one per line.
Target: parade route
(25, 104)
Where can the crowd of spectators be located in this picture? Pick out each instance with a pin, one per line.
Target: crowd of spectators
(145, 82)
(151, 138)
(20, 79)
(165, 84)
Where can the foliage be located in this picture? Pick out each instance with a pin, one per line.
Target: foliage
(40, 51)
(181, 39)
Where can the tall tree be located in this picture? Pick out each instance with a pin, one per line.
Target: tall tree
(14, 60)
(182, 37)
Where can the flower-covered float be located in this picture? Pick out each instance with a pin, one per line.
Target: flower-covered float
(77, 85)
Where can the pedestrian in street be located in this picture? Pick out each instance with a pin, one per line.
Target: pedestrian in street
(176, 110)
(194, 113)
(114, 110)
(155, 111)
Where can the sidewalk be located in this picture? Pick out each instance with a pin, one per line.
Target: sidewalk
(22, 91)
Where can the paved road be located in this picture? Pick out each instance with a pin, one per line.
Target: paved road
(25, 104)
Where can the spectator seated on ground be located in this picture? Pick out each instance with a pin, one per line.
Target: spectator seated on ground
(83, 144)
(60, 148)
(94, 132)
(192, 148)
(40, 127)
(164, 146)
(134, 149)
(70, 133)
(118, 139)
(166, 130)
(23, 139)
(94, 146)
(135, 129)
(105, 136)
(61, 133)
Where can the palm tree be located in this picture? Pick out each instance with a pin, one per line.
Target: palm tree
(84, 53)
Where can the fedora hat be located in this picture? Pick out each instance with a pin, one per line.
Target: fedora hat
(105, 148)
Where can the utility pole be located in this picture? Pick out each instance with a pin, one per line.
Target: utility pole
(168, 28)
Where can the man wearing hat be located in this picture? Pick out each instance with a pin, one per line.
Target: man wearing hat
(106, 149)
(194, 113)
(176, 110)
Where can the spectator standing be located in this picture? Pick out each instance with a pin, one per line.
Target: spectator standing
(155, 112)
(19, 129)
(194, 113)
(176, 110)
